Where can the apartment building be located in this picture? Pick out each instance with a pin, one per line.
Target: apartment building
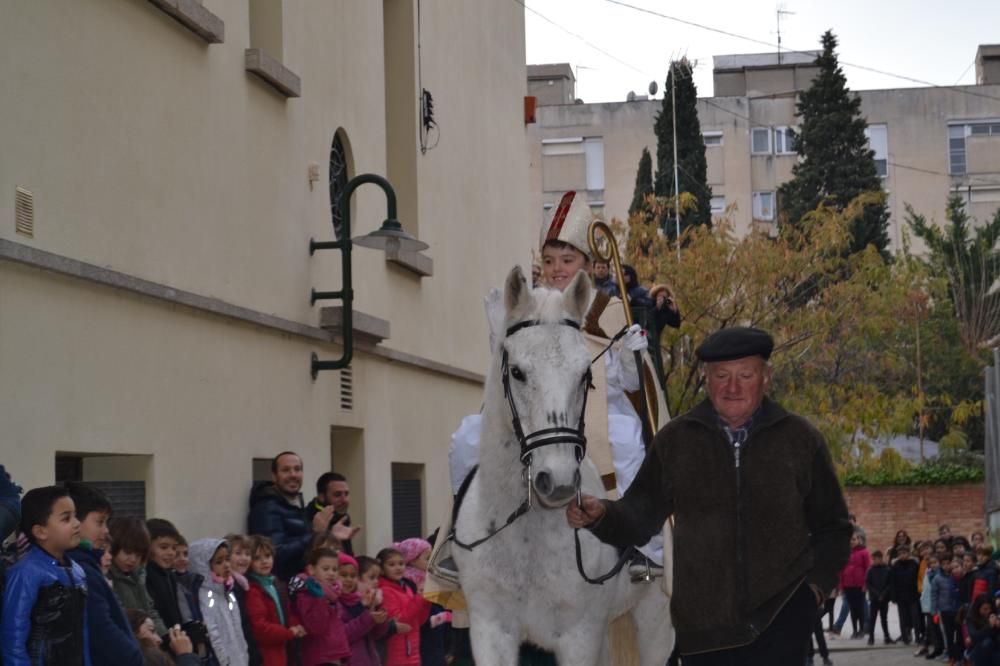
(928, 141)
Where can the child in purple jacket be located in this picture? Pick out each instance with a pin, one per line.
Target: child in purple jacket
(363, 625)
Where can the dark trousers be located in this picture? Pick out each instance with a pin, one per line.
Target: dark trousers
(879, 608)
(953, 642)
(985, 653)
(855, 597)
(785, 641)
(818, 637)
(932, 635)
(828, 607)
(909, 618)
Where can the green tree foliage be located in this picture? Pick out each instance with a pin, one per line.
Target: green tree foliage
(835, 163)
(868, 356)
(968, 258)
(643, 182)
(693, 169)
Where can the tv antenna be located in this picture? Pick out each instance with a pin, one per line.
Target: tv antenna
(780, 11)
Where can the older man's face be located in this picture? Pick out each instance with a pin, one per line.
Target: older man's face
(736, 388)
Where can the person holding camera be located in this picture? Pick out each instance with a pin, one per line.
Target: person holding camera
(981, 632)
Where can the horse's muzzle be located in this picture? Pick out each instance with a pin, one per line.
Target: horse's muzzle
(551, 495)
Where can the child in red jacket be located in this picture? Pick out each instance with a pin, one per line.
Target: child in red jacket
(314, 599)
(271, 621)
(852, 582)
(403, 604)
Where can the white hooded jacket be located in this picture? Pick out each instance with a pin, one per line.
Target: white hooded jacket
(219, 609)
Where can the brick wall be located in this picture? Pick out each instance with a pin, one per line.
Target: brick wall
(884, 510)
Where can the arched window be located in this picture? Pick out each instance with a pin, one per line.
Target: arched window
(338, 181)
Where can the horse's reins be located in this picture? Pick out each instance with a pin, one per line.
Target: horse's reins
(546, 437)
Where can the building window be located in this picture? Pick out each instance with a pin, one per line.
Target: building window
(763, 205)
(712, 138)
(718, 205)
(407, 501)
(338, 181)
(957, 134)
(760, 141)
(593, 151)
(784, 141)
(878, 141)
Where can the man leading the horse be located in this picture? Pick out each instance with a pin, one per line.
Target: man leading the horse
(739, 474)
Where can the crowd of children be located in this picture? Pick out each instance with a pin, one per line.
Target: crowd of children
(945, 591)
(91, 590)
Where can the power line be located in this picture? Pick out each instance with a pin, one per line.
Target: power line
(708, 100)
(581, 38)
(812, 52)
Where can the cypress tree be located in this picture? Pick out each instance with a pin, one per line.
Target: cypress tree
(693, 173)
(643, 182)
(835, 163)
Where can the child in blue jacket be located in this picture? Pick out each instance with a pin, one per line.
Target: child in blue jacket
(44, 603)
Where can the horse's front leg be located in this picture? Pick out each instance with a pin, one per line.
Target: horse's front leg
(495, 641)
(585, 644)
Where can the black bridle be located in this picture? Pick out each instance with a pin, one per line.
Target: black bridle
(546, 437)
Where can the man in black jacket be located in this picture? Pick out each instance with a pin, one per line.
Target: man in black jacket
(332, 490)
(741, 476)
(277, 512)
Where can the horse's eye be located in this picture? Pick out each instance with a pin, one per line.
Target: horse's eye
(517, 374)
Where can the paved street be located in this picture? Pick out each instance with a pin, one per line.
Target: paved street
(882, 656)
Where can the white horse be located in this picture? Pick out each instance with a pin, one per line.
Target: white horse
(522, 583)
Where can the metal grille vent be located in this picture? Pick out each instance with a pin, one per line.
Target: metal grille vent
(25, 212)
(347, 389)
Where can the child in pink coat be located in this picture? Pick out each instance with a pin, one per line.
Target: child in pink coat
(314, 599)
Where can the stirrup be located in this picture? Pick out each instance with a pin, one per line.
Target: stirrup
(643, 571)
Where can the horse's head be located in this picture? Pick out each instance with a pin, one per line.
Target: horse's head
(545, 368)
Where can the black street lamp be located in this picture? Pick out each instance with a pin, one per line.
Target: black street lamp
(390, 236)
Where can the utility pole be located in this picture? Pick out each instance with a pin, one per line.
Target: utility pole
(677, 190)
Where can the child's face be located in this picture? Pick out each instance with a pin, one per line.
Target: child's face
(240, 560)
(181, 559)
(985, 609)
(106, 562)
(127, 561)
(968, 563)
(394, 568)
(219, 564)
(958, 550)
(94, 528)
(956, 569)
(876, 560)
(348, 577)
(148, 630)
(263, 563)
(61, 532)
(370, 577)
(163, 552)
(932, 563)
(422, 561)
(940, 548)
(903, 555)
(982, 559)
(325, 570)
(855, 541)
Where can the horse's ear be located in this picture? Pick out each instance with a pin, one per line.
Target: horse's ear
(517, 295)
(576, 297)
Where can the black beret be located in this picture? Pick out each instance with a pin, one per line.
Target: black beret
(735, 342)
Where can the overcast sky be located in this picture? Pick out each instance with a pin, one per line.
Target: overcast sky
(930, 40)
